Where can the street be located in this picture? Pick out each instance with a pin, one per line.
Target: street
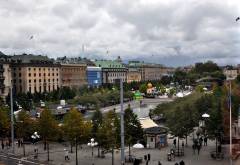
(11, 160)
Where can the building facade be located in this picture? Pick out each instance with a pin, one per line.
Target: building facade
(112, 70)
(34, 73)
(35, 77)
(149, 71)
(5, 79)
(94, 76)
(73, 75)
(230, 73)
(133, 75)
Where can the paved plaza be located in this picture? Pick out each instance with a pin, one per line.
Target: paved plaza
(85, 158)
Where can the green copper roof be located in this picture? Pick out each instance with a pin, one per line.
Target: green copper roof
(108, 64)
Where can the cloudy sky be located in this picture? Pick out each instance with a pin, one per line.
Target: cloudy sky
(173, 32)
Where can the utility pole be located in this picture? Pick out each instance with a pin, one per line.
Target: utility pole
(230, 123)
(12, 120)
(122, 123)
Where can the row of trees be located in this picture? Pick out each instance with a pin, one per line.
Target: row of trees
(74, 129)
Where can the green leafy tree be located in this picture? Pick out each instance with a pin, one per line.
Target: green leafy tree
(75, 128)
(25, 127)
(4, 123)
(109, 132)
(48, 128)
(143, 88)
(133, 129)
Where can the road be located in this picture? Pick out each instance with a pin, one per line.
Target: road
(135, 105)
(141, 111)
(11, 160)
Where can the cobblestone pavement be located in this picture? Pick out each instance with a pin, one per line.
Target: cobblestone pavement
(85, 158)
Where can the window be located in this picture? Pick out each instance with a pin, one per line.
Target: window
(48, 74)
(34, 69)
(44, 74)
(40, 80)
(14, 74)
(53, 80)
(39, 74)
(48, 80)
(52, 69)
(52, 74)
(29, 81)
(20, 81)
(20, 74)
(44, 69)
(34, 74)
(29, 89)
(29, 69)
(39, 69)
(19, 68)
(35, 80)
(29, 74)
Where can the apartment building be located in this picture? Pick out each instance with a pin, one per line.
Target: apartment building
(73, 75)
(34, 74)
(112, 70)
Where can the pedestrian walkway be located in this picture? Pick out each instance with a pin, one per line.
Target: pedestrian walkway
(57, 155)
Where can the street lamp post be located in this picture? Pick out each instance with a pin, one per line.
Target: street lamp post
(92, 144)
(12, 120)
(35, 136)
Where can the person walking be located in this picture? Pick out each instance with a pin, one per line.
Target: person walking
(198, 148)
(2, 145)
(159, 163)
(194, 148)
(66, 154)
(182, 162)
(175, 143)
(176, 164)
(182, 144)
(200, 141)
(205, 141)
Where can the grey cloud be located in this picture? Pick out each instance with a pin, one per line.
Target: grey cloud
(175, 32)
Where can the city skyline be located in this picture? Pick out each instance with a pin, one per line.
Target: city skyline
(173, 33)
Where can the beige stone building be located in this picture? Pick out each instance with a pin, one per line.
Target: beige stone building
(73, 75)
(133, 75)
(5, 79)
(33, 77)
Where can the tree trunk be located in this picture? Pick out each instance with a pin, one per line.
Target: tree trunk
(178, 144)
(98, 151)
(112, 156)
(129, 149)
(71, 144)
(186, 140)
(24, 153)
(45, 145)
(48, 151)
(76, 153)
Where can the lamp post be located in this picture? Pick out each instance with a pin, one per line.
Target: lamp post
(35, 137)
(92, 144)
(205, 116)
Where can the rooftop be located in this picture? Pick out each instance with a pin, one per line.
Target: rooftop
(108, 64)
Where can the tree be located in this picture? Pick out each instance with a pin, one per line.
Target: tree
(74, 127)
(133, 128)
(143, 88)
(109, 132)
(48, 128)
(25, 127)
(97, 120)
(4, 123)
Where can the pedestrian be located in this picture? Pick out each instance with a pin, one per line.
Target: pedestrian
(205, 141)
(176, 164)
(198, 148)
(219, 148)
(182, 162)
(200, 141)
(149, 157)
(159, 163)
(18, 143)
(173, 153)
(2, 145)
(182, 144)
(194, 148)
(66, 154)
(175, 142)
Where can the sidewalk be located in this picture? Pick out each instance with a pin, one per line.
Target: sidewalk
(85, 158)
